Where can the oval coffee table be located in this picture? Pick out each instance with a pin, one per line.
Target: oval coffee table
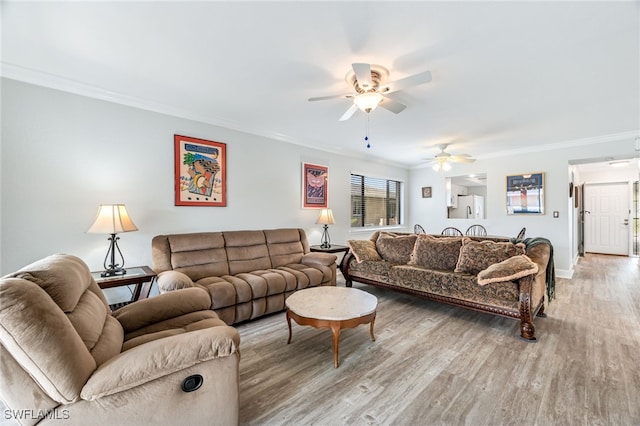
(332, 307)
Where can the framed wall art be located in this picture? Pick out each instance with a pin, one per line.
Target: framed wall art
(426, 192)
(315, 182)
(525, 194)
(200, 172)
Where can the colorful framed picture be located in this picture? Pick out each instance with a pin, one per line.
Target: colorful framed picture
(426, 192)
(315, 183)
(525, 194)
(200, 172)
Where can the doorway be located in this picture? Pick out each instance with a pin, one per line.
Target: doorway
(606, 218)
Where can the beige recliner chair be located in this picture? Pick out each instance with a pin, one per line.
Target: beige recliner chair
(65, 358)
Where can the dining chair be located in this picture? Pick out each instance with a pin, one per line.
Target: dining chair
(476, 231)
(418, 229)
(451, 231)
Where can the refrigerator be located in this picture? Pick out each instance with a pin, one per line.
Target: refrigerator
(469, 207)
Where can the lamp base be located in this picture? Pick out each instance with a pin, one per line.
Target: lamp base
(326, 241)
(113, 269)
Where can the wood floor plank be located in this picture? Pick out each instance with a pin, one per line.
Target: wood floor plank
(442, 365)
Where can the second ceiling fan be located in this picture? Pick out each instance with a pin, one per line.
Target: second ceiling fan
(443, 160)
(370, 84)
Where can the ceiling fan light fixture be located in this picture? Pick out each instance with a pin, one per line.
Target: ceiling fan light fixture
(368, 101)
(442, 165)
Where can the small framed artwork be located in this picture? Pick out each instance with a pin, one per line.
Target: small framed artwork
(426, 192)
(200, 172)
(315, 180)
(525, 194)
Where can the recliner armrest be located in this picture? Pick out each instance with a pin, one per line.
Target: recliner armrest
(158, 358)
(162, 307)
(322, 259)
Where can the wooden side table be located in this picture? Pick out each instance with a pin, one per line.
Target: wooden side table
(334, 248)
(142, 277)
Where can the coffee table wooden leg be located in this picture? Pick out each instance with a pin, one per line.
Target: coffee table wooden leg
(373, 320)
(335, 329)
(289, 324)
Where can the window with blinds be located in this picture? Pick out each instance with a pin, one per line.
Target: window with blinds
(374, 201)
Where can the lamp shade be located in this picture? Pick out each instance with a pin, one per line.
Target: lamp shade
(368, 101)
(112, 219)
(326, 217)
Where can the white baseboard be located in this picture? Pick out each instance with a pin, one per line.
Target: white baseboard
(564, 273)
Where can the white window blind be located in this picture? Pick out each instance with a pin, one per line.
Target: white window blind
(374, 201)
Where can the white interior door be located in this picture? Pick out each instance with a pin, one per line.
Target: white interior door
(606, 218)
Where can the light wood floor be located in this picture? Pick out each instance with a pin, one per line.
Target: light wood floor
(433, 364)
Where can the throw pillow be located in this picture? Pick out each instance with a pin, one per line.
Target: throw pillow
(508, 270)
(173, 280)
(363, 250)
(476, 256)
(436, 252)
(396, 249)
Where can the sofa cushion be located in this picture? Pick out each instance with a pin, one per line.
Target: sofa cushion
(436, 253)
(197, 255)
(65, 278)
(375, 270)
(508, 270)
(285, 246)
(364, 250)
(476, 256)
(173, 280)
(395, 249)
(456, 286)
(246, 251)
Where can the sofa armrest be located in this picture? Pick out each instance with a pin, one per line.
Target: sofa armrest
(162, 307)
(540, 251)
(158, 358)
(540, 254)
(322, 259)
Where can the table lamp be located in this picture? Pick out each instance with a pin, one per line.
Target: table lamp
(112, 219)
(326, 219)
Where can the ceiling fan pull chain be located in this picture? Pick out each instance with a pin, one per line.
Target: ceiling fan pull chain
(366, 131)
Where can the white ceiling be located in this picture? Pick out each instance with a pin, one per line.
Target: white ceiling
(506, 75)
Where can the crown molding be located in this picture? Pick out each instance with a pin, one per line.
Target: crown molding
(52, 81)
(614, 137)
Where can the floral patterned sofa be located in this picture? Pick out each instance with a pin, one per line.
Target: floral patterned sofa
(494, 275)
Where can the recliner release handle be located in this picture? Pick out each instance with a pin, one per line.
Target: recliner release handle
(192, 383)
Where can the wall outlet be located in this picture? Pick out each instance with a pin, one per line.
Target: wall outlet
(556, 214)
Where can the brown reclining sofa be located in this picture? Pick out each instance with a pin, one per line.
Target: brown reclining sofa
(248, 274)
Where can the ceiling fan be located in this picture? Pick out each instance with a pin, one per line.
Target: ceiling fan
(370, 84)
(443, 160)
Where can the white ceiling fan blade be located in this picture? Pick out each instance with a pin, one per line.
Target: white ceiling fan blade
(403, 83)
(347, 115)
(323, 98)
(462, 158)
(363, 75)
(392, 105)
